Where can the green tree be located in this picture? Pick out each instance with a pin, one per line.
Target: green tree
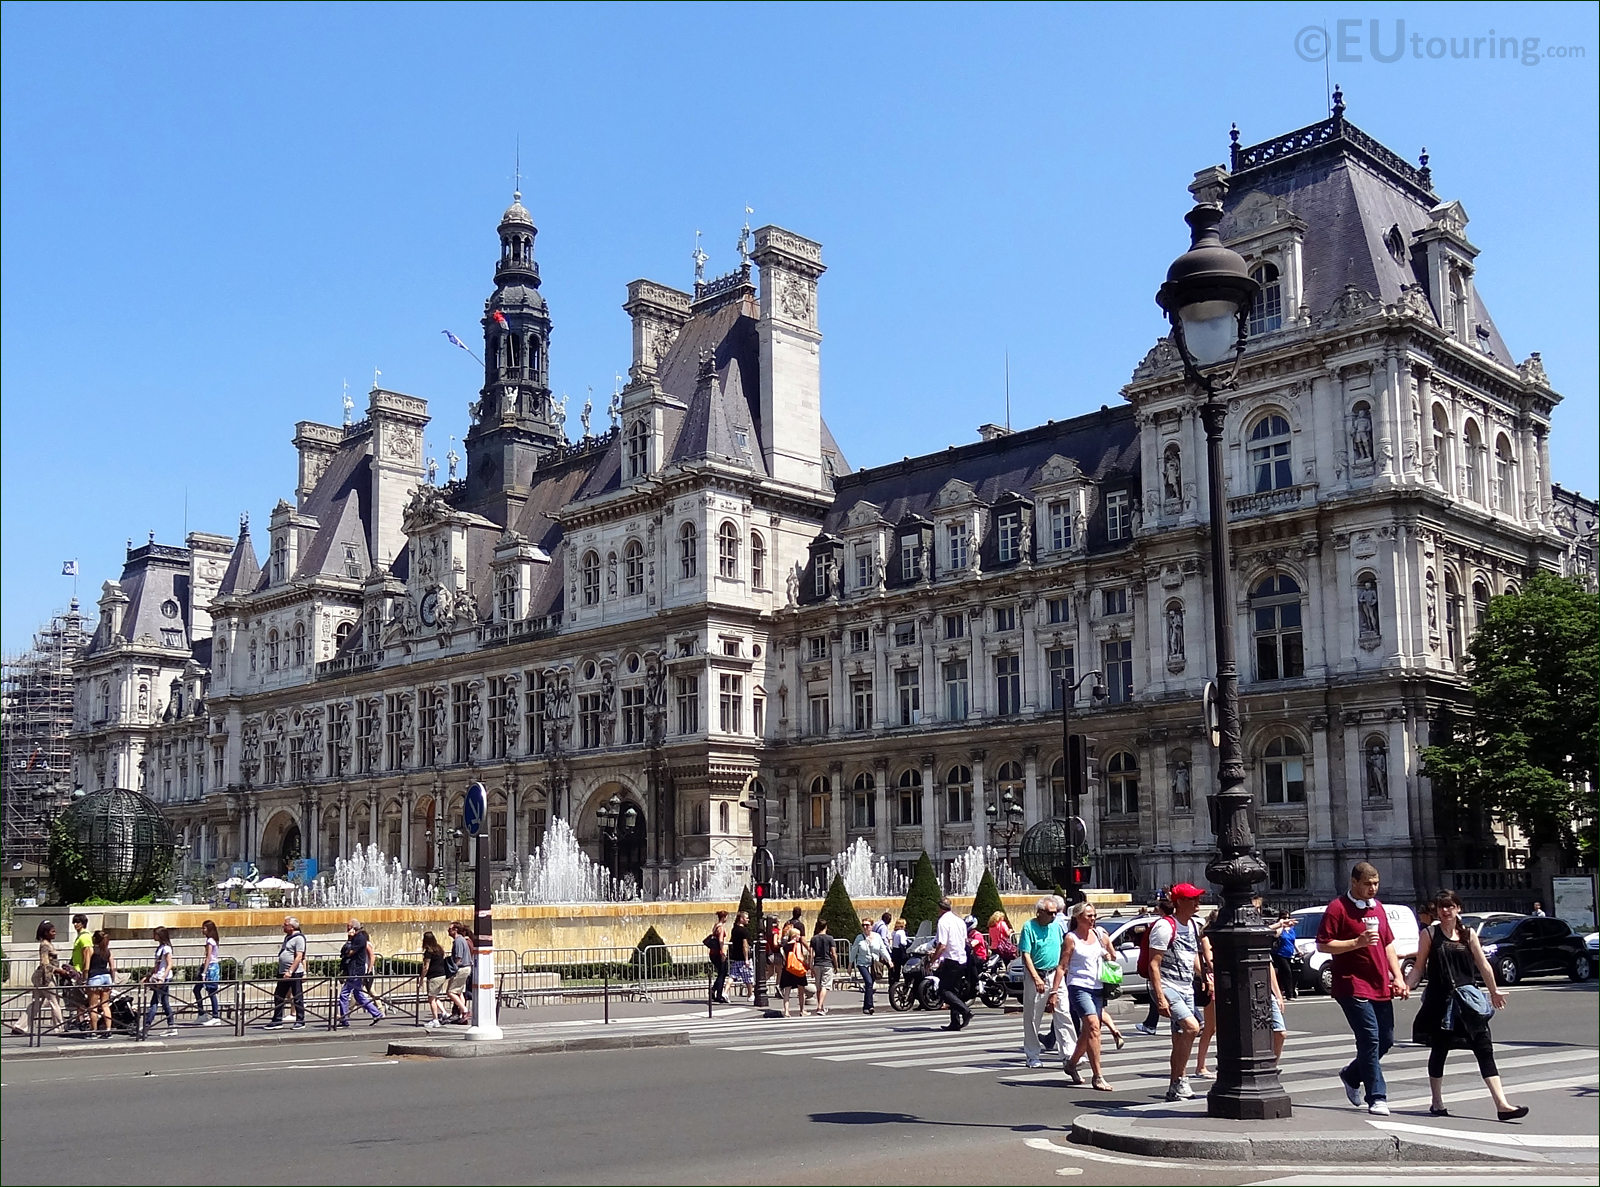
(747, 904)
(843, 919)
(1527, 750)
(922, 896)
(987, 900)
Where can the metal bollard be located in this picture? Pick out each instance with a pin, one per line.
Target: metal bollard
(605, 975)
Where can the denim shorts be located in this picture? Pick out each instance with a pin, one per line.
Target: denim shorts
(1082, 1003)
(1180, 1004)
(1278, 1024)
(100, 981)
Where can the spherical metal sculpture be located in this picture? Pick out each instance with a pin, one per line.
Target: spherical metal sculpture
(124, 841)
(1047, 851)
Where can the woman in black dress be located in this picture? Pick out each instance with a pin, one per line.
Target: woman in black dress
(1449, 954)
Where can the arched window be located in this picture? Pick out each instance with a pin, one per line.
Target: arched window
(728, 551)
(1480, 604)
(102, 705)
(272, 650)
(908, 797)
(1441, 446)
(299, 644)
(589, 578)
(958, 795)
(1269, 454)
(1008, 780)
(633, 568)
(688, 550)
(863, 802)
(1275, 621)
(1122, 784)
(758, 561)
(1505, 488)
(341, 636)
(637, 450)
(818, 801)
(222, 659)
(1458, 307)
(1266, 311)
(1474, 462)
(1283, 771)
(724, 823)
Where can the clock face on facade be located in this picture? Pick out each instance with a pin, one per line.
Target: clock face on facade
(429, 610)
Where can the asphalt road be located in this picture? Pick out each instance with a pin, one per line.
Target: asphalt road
(331, 1111)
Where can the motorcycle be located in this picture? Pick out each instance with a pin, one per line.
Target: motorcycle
(919, 987)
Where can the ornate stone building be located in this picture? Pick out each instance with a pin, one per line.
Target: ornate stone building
(704, 595)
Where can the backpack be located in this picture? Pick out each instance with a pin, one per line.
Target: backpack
(1143, 967)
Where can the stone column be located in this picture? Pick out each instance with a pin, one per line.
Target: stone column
(1031, 812)
(980, 822)
(836, 815)
(406, 801)
(512, 842)
(930, 809)
(884, 832)
(1033, 691)
(344, 823)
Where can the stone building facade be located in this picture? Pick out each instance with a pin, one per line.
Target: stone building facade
(704, 598)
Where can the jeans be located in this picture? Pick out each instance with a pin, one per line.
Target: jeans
(208, 984)
(286, 988)
(1373, 1025)
(356, 986)
(867, 985)
(719, 965)
(160, 998)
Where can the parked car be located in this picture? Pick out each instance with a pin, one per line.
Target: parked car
(1124, 938)
(1477, 919)
(1535, 947)
(1316, 968)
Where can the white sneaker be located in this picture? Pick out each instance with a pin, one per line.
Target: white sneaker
(1035, 1061)
(1379, 1108)
(169, 1033)
(1180, 1090)
(1144, 1030)
(431, 1024)
(212, 1022)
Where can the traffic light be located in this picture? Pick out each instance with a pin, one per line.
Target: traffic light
(1077, 772)
(1080, 875)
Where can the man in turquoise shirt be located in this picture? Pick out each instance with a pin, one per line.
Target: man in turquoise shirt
(1039, 943)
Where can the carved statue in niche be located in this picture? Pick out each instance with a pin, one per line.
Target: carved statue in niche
(1025, 539)
(1175, 632)
(474, 717)
(611, 574)
(1172, 474)
(441, 723)
(1361, 433)
(608, 708)
(1432, 587)
(792, 584)
(1182, 788)
(879, 571)
(1367, 607)
(1377, 770)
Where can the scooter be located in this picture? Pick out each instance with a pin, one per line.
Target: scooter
(909, 992)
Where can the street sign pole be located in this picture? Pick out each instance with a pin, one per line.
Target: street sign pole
(475, 813)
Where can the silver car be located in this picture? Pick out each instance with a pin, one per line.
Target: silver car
(1124, 935)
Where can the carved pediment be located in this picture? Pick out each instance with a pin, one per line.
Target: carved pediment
(425, 508)
(1258, 212)
(864, 514)
(1452, 216)
(1163, 356)
(1352, 303)
(954, 493)
(1059, 469)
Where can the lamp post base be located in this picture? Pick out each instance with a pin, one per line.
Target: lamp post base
(1247, 1087)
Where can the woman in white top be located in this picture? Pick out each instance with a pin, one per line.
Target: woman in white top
(210, 975)
(1083, 950)
(160, 980)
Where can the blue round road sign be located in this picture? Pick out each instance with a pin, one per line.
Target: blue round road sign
(474, 808)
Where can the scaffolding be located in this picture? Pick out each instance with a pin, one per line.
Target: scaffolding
(36, 781)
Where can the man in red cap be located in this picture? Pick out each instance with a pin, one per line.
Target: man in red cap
(1174, 958)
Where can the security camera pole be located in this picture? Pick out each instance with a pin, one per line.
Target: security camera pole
(475, 812)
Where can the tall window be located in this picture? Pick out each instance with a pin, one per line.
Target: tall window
(1275, 618)
(817, 711)
(956, 690)
(1063, 674)
(633, 716)
(460, 717)
(1007, 685)
(819, 800)
(908, 798)
(502, 704)
(861, 703)
(864, 569)
(505, 596)
(589, 578)
(863, 803)
(299, 644)
(394, 731)
(1505, 491)
(1119, 516)
(728, 551)
(955, 535)
(687, 550)
(688, 689)
(730, 704)
(427, 731)
(638, 449)
(1122, 784)
(280, 558)
(367, 733)
(633, 568)
(1441, 445)
(1116, 661)
(533, 738)
(1009, 778)
(1474, 462)
(272, 650)
(1480, 604)
(758, 561)
(1452, 617)
(1058, 610)
(958, 795)
(1266, 311)
(908, 695)
(1269, 455)
(911, 558)
(1005, 618)
(1283, 772)
(955, 626)
(588, 720)
(1060, 526)
(1008, 536)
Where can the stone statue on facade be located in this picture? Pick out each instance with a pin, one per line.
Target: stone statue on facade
(1182, 790)
(1361, 434)
(1367, 607)
(1377, 770)
(1172, 475)
(1175, 632)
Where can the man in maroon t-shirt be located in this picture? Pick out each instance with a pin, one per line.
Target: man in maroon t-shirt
(1366, 980)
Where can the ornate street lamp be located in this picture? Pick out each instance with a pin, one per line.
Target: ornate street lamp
(617, 818)
(1005, 819)
(1074, 768)
(1207, 299)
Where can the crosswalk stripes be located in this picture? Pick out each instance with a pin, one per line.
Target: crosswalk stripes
(991, 1045)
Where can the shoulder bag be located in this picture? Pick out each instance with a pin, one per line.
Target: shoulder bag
(1472, 1000)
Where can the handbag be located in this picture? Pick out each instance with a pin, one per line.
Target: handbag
(711, 941)
(1474, 1000)
(1110, 973)
(794, 962)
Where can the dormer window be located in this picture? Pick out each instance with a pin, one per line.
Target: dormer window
(1060, 526)
(1266, 311)
(911, 558)
(864, 570)
(1008, 536)
(506, 597)
(1119, 515)
(956, 540)
(280, 558)
(636, 452)
(1459, 315)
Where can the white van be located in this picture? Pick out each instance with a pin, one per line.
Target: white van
(1316, 971)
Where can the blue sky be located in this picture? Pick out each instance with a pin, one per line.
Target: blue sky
(214, 216)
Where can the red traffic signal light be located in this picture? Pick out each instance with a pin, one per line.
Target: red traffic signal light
(1080, 875)
(761, 891)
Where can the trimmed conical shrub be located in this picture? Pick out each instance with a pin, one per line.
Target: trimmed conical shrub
(747, 904)
(843, 920)
(987, 900)
(923, 895)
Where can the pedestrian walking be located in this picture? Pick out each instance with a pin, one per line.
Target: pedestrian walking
(82, 945)
(435, 978)
(717, 946)
(102, 973)
(949, 961)
(1452, 959)
(822, 964)
(739, 965)
(160, 981)
(1174, 965)
(1001, 939)
(1283, 954)
(1084, 950)
(1205, 1001)
(869, 955)
(1040, 942)
(210, 975)
(461, 955)
(796, 968)
(356, 961)
(291, 984)
(1280, 1028)
(1366, 980)
(1141, 936)
(45, 976)
(899, 950)
(885, 928)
